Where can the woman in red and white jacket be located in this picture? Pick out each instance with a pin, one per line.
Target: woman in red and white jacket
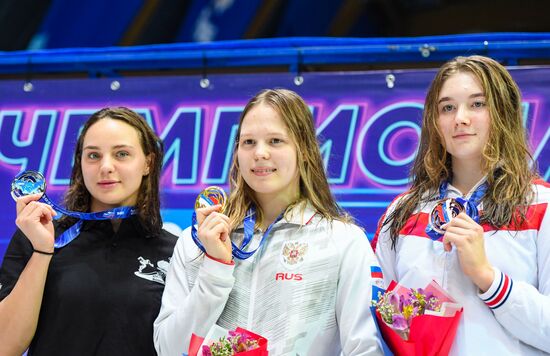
(473, 146)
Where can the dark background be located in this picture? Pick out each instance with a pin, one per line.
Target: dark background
(40, 24)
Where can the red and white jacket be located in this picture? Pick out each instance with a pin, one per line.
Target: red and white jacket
(307, 290)
(513, 316)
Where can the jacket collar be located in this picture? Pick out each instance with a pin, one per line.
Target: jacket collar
(301, 214)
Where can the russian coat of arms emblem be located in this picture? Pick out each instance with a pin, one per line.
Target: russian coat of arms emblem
(293, 253)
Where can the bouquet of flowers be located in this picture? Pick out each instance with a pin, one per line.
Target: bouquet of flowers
(419, 321)
(222, 342)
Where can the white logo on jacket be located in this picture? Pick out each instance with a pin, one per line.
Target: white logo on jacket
(147, 270)
(292, 253)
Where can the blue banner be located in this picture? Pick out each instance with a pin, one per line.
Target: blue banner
(368, 126)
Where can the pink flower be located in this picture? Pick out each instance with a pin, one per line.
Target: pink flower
(394, 302)
(399, 322)
(206, 351)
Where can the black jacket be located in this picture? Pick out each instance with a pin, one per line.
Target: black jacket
(103, 290)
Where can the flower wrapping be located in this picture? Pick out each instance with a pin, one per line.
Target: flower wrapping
(427, 330)
(223, 342)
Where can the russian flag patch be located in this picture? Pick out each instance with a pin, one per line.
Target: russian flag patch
(376, 272)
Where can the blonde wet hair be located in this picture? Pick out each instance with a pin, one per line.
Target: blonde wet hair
(314, 187)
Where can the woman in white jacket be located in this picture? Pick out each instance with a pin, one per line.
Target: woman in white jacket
(307, 286)
(473, 146)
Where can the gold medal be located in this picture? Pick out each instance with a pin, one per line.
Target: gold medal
(211, 196)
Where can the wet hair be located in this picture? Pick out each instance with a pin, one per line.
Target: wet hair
(507, 161)
(314, 186)
(78, 197)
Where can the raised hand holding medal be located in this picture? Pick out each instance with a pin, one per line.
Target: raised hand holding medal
(447, 209)
(210, 227)
(34, 219)
(32, 182)
(220, 224)
(444, 211)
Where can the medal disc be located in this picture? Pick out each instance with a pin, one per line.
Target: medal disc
(27, 183)
(211, 196)
(443, 212)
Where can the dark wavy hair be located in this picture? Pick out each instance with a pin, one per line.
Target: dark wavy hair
(78, 197)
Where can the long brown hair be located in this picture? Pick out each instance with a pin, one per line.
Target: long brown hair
(509, 165)
(314, 186)
(78, 197)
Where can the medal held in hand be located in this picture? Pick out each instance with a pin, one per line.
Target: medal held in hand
(444, 211)
(211, 196)
(33, 182)
(216, 195)
(28, 183)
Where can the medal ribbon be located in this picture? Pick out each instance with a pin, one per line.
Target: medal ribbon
(121, 212)
(248, 223)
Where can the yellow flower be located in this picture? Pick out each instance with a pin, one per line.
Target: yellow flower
(407, 311)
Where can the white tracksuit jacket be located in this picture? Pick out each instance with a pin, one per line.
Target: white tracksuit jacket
(307, 290)
(513, 316)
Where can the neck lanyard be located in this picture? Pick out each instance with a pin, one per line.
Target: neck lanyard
(248, 223)
(475, 197)
(121, 212)
(469, 204)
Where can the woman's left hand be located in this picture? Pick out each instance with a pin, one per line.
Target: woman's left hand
(467, 237)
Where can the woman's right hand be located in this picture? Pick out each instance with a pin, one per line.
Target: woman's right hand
(213, 231)
(35, 220)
